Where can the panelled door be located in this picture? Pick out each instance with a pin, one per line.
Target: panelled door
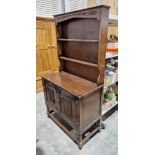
(46, 52)
(52, 94)
(69, 106)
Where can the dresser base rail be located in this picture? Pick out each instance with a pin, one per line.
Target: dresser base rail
(80, 140)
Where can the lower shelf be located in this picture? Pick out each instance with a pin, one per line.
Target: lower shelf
(105, 111)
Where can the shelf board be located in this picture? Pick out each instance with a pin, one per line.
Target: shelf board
(104, 112)
(113, 19)
(110, 84)
(77, 40)
(78, 61)
(111, 56)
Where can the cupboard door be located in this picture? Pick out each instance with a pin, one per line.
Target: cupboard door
(69, 106)
(52, 96)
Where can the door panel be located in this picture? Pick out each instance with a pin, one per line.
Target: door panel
(52, 94)
(69, 106)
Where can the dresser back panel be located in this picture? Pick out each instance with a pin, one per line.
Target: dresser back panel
(77, 28)
(83, 71)
(81, 50)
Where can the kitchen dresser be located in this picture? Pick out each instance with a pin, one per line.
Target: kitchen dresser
(73, 95)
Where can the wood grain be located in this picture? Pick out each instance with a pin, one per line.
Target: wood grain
(73, 95)
(46, 49)
(71, 83)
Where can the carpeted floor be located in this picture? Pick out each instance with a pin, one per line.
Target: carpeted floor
(51, 140)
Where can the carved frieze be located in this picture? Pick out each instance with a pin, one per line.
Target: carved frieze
(88, 13)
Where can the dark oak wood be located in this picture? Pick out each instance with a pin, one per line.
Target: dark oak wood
(74, 95)
(85, 51)
(71, 83)
(78, 61)
(77, 40)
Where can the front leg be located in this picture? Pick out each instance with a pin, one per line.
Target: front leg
(79, 142)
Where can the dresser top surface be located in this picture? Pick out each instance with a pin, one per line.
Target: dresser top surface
(71, 83)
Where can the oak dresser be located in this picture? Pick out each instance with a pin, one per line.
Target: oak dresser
(73, 96)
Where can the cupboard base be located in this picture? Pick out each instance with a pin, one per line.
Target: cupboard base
(80, 140)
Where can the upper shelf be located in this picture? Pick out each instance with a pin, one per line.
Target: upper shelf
(77, 40)
(113, 19)
(78, 61)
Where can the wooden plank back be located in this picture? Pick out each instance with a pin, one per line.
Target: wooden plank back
(46, 49)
